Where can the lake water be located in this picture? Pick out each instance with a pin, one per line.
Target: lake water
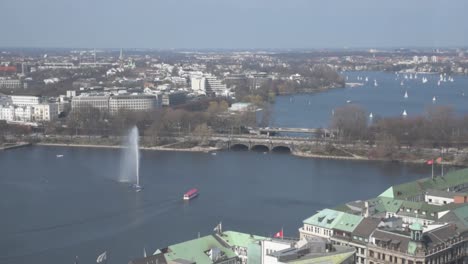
(53, 209)
(56, 208)
(387, 99)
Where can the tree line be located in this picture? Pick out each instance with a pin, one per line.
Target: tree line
(438, 127)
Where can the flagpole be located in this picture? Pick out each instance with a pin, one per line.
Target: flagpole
(432, 169)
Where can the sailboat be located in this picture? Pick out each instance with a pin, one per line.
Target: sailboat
(371, 115)
(367, 79)
(375, 83)
(433, 99)
(406, 95)
(401, 83)
(438, 83)
(404, 113)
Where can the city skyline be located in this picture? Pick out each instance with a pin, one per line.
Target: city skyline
(210, 24)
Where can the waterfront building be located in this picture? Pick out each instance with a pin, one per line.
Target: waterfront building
(132, 103)
(329, 222)
(446, 244)
(306, 250)
(221, 247)
(46, 112)
(16, 113)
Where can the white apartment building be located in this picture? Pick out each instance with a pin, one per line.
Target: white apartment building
(132, 103)
(208, 84)
(214, 86)
(270, 246)
(25, 100)
(198, 84)
(16, 113)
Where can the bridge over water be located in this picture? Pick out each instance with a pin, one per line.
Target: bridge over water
(275, 130)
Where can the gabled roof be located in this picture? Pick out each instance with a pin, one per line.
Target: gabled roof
(366, 227)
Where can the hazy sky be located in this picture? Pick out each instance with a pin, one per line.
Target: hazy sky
(233, 23)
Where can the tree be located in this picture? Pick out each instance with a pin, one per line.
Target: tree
(350, 121)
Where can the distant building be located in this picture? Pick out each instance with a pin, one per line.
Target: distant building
(198, 84)
(46, 112)
(25, 100)
(16, 113)
(10, 83)
(100, 102)
(173, 98)
(132, 103)
(208, 84)
(434, 59)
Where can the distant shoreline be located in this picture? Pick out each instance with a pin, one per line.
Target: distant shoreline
(194, 149)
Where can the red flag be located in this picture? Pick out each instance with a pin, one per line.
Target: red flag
(430, 162)
(279, 234)
(439, 160)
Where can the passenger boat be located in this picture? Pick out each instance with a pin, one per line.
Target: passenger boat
(190, 194)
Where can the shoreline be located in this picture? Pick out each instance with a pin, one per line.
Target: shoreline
(198, 149)
(194, 149)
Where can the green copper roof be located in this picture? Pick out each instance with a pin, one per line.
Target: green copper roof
(195, 250)
(388, 193)
(251, 242)
(328, 218)
(348, 222)
(462, 214)
(416, 226)
(413, 188)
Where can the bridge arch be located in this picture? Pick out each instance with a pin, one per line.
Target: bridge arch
(239, 147)
(281, 149)
(260, 148)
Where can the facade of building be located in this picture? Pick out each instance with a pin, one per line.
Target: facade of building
(208, 84)
(132, 103)
(16, 113)
(214, 86)
(25, 100)
(46, 112)
(10, 83)
(173, 98)
(100, 102)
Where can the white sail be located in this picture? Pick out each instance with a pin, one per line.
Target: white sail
(404, 113)
(406, 95)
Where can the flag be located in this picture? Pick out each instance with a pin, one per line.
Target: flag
(430, 162)
(439, 160)
(218, 228)
(101, 258)
(279, 234)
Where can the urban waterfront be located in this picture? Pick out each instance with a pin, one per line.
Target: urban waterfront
(77, 204)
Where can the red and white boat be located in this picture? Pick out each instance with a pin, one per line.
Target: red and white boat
(190, 194)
